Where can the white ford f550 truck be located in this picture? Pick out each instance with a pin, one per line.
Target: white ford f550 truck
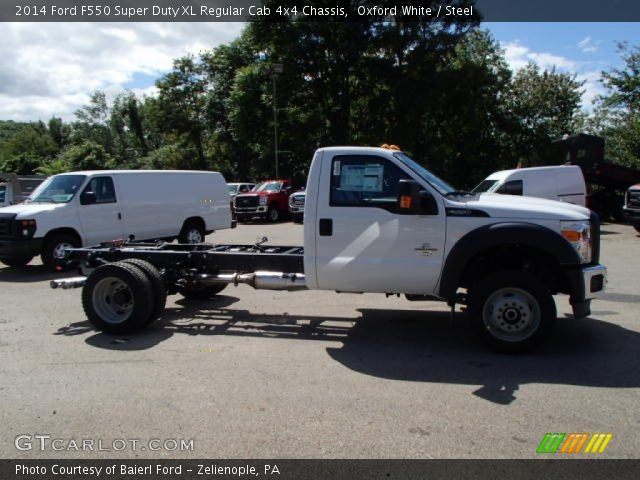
(376, 221)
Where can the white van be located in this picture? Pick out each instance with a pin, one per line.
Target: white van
(86, 208)
(564, 183)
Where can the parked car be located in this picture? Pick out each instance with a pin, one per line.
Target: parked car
(16, 189)
(296, 206)
(563, 183)
(236, 188)
(86, 208)
(268, 200)
(632, 206)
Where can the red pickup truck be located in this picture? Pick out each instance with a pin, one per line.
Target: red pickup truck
(268, 200)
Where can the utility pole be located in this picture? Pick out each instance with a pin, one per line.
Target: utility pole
(277, 69)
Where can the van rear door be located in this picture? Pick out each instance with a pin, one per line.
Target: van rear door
(99, 211)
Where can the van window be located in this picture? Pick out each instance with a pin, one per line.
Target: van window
(365, 181)
(512, 187)
(103, 189)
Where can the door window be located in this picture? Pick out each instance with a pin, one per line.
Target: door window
(365, 181)
(103, 189)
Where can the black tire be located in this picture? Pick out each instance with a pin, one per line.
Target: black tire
(512, 311)
(157, 283)
(205, 292)
(637, 227)
(273, 214)
(128, 313)
(17, 261)
(52, 245)
(297, 218)
(190, 231)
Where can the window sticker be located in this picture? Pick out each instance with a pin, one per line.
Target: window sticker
(362, 178)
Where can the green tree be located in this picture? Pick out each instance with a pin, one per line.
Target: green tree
(617, 114)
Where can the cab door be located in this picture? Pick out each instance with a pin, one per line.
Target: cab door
(362, 243)
(99, 211)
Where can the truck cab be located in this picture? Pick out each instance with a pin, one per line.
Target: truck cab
(15, 189)
(268, 200)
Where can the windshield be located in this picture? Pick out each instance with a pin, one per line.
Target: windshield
(437, 183)
(484, 186)
(233, 189)
(58, 189)
(267, 187)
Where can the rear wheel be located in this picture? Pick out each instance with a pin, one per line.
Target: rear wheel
(54, 247)
(192, 232)
(201, 292)
(118, 298)
(157, 283)
(512, 310)
(18, 261)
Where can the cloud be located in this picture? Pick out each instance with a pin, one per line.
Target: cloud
(50, 69)
(587, 45)
(518, 56)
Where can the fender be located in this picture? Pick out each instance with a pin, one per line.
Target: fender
(497, 235)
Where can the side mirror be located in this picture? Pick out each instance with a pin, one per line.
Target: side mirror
(414, 200)
(88, 198)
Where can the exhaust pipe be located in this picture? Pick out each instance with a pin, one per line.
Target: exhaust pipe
(259, 280)
(67, 283)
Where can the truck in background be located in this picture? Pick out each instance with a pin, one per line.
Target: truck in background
(632, 206)
(562, 183)
(296, 206)
(608, 181)
(15, 189)
(377, 222)
(269, 200)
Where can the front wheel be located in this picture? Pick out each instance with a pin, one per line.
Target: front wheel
(513, 311)
(54, 248)
(192, 232)
(273, 214)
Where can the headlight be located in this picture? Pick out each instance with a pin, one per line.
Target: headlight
(263, 200)
(578, 234)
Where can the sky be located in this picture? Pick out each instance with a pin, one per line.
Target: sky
(50, 69)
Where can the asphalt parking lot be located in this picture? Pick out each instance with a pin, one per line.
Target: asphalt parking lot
(314, 374)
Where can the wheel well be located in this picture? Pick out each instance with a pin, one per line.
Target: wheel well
(516, 257)
(66, 231)
(197, 220)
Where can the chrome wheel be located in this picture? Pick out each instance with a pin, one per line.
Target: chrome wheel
(194, 236)
(58, 250)
(112, 300)
(274, 215)
(511, 314)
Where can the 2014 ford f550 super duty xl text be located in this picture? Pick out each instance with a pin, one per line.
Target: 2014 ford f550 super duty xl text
(376, 221)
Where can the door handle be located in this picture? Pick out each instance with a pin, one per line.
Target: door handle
(119, 216)
(326, 227)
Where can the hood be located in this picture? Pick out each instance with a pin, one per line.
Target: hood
(252, 194)
(26, 210)
(498, 205)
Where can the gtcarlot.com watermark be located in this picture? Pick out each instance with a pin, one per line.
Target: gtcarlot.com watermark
(48, 443)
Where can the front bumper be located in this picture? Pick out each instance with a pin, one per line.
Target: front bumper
(250, 212)
(588, 283)
(20, 248)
